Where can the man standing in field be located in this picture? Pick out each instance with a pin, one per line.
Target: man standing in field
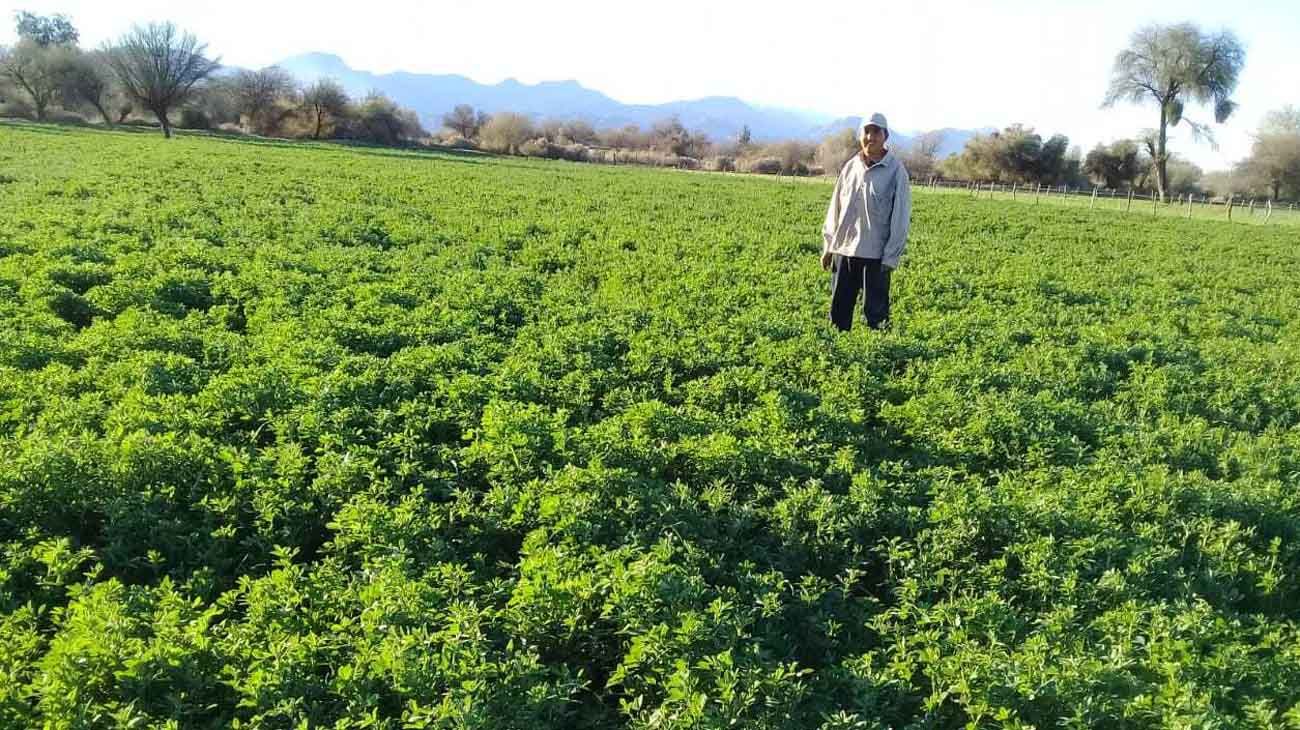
(866, 227)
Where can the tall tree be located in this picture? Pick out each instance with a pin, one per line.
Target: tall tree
(465, 121)
(745, 138)
(922, 155)
(1114, 165)
(324, 100)
(87, 80)
(45, 31)
(257, 93)
(36, 70)
(1275, 155)
(1172, 65)
(159, 67)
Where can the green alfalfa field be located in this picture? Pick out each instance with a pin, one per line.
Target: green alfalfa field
(299, 435)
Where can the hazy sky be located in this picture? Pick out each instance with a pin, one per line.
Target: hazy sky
(925, 63)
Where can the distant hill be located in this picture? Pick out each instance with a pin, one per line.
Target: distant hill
(722, 117)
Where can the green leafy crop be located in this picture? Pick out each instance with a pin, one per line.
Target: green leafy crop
(298, 435)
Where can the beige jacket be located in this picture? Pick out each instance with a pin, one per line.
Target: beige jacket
(870, 211)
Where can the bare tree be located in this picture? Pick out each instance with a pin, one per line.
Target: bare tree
(1275, 155)
(36, 70)
(626, 137)
(87, 80)
(668, 135)
(465, 121)
(922, 155)
(552, 130)
(159, 67)
(324, 100)
(836, 150)
(1171, 65)
(257, 94)
(580, 131)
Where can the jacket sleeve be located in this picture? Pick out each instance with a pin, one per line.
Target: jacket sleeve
(832, 216)
(900, 221)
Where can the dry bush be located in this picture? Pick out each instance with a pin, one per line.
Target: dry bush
(795, 156)
(720, 163)
(647, 157)
(542, 147)
(760, 165)
(506, 132)
(628, 137)
(603, 156)
(577, 152)
(454, 141)
(836, 150)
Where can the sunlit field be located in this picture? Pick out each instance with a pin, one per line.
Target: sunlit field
(305, 435)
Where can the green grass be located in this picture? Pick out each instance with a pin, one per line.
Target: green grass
(299, 435)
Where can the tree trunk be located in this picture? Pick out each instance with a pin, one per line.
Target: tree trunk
(108, 119)
(319, 121)
(166, 125)
(1277, 188)
(39, 101)
(1162, 175)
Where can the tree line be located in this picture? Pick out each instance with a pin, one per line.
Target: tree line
(159, 73)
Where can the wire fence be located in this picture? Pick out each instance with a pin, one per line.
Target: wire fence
(1185, 205)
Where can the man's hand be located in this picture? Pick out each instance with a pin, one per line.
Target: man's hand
(827, 258)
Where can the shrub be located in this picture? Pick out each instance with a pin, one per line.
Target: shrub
(836, 149)
(576, 152)
(456, 142)
(14, 107)
(507, 132)
(194, 119)
(761, 165)
(720, 164)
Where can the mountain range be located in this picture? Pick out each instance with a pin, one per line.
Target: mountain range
(721, 117)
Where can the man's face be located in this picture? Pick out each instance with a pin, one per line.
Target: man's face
(873, 140)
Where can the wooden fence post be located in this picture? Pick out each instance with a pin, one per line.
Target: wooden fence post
(1093, 203)
(1154, 200)
(1229, 207)
(1129, 209)
(1038, 191)
(1269, 214)
(1013, 192)
(1189, 206)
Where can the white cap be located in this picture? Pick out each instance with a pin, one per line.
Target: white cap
(877, 119)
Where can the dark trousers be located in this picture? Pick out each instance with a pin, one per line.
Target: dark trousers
(851, 275)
